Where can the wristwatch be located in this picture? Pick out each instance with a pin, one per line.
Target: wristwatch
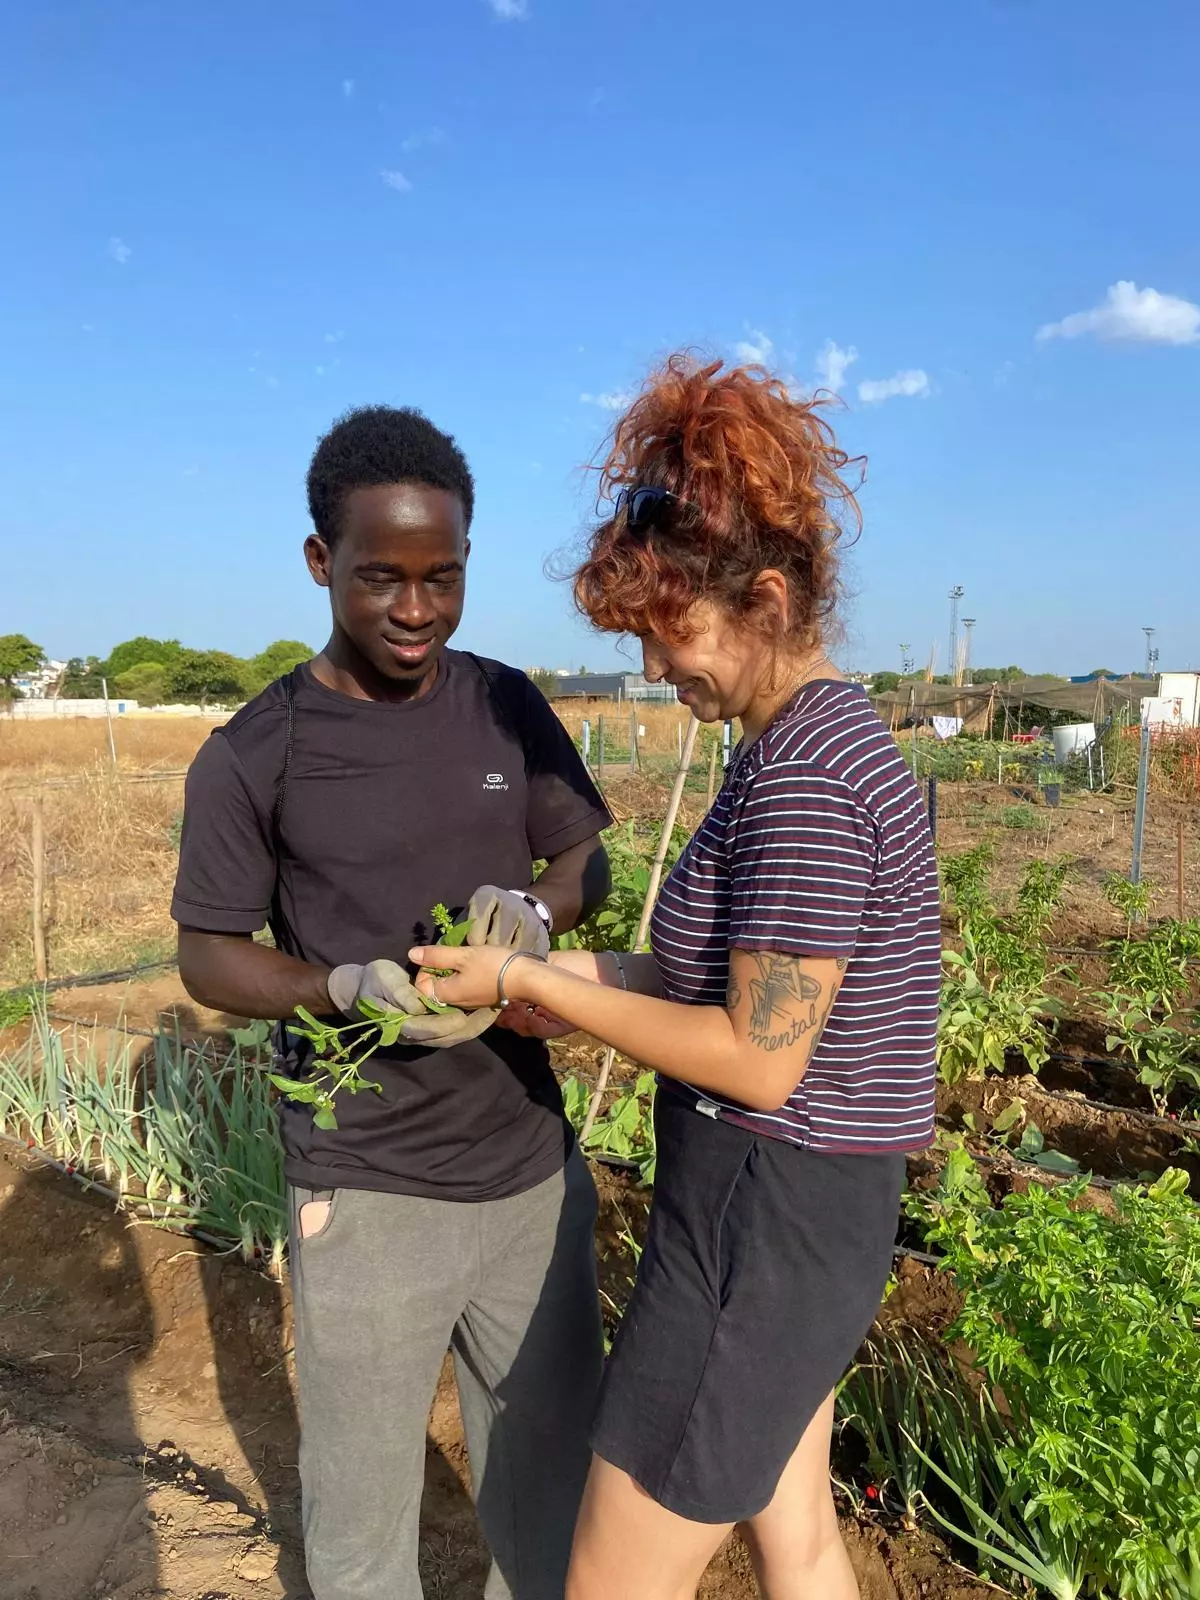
(540, 909)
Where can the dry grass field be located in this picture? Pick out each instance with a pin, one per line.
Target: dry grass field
(110, 839)
(110, 852)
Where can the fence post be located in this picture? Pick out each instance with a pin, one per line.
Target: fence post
(633, 751)
(726, 744)
(37, 846)
(586, 742)
(1139, 814)
(112, 743)
(933, 808)
(600, 744)
(712, 770)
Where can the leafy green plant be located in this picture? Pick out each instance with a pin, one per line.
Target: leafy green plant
(936, 1444)
(1040, 894)
(1166, 1053)
(630, 848)
(1132, 900)
(983, 1016)
(1156, 968)
(341, 1050)
(1085, 1323)
(15, 1006)
(967, 878)
(1019, 818)
(626, 1129)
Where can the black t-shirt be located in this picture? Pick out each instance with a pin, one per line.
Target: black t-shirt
(389, 809)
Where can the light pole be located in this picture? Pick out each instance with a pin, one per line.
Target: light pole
(906, 664)
(968, 624)
(956, 595)
(1151, 652)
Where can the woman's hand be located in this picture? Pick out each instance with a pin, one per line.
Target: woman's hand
(474, 974)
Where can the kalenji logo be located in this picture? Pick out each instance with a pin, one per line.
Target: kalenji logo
(495, 780)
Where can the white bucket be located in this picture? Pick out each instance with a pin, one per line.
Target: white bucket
(1072, 739)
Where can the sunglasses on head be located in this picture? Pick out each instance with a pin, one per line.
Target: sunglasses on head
(647, 507)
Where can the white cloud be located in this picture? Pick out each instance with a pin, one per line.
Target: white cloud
(757, 349)
(417, 141)
(334, 338)
(395, 180)
(1132, 316)
(190, 472)
(832, 364)
(319, 370)
(510, 10)
(913, 383)
(611, 400)
(348, 88)
(119, 250)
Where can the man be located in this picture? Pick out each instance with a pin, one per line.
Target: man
(450, 1210)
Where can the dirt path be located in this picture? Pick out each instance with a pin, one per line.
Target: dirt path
(148, 1427)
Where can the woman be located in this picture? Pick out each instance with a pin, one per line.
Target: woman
(789, 1005)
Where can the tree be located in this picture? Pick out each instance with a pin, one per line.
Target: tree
(81, 680)
(204, 674)
(997, 674)
(274, 662)
(885, 682)
(18, 655)
(133, 652)
(545, 680)
(145, 683)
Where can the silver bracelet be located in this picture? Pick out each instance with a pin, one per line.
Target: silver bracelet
(621, 973)
(530, 955)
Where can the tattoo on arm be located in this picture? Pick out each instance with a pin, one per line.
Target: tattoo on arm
(735, 991)
(785, 1003)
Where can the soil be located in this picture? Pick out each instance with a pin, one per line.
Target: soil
(148, 1422)
(1122, 1145)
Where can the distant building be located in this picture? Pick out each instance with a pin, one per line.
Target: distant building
(1177, 704)
(38, 685)
(612, 686)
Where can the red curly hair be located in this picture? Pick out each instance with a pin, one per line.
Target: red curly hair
(762, 471)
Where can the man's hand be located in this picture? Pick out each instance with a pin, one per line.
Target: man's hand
(387, 986)
(504, 918)
(532, 1022)
(383, 983)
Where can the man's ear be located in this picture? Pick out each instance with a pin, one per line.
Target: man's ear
(319, 557)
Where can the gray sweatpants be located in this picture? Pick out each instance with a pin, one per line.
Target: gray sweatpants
(380, 1293)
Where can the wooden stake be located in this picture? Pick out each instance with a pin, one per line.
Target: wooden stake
(112, 743)
(656, 870)
(713, 755)
(37, 845)
(1179, 869)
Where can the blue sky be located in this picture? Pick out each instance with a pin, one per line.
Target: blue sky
(226, 224)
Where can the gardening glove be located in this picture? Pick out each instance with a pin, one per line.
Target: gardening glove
(384, 983)
(387, 985)
(496, 917)
(501, 917)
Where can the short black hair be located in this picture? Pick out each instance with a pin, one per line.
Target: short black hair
(382, 444)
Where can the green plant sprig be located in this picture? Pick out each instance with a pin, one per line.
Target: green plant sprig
(341, 1050)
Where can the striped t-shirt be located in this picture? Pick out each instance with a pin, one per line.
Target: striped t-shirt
(818, 845)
